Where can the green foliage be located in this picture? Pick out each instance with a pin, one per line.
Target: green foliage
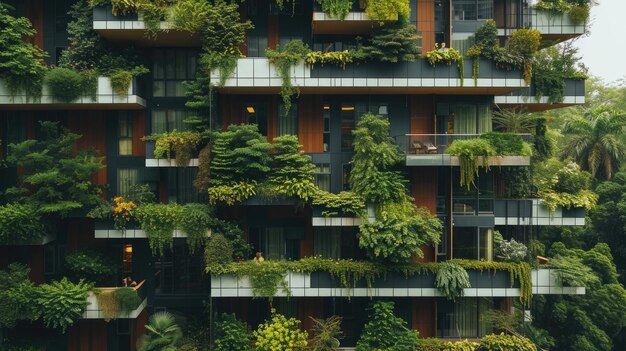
(16, 294)
(504, 342)
(507, 144)
(326, 334)
(218, 250)
(231, 334)
(279, 334)
(158, 221)
(292, 171)
(162, 334)
(394, 43)
(338, 58)
(66, 85)
(487, 35)
(183, 143)
(203, 176)
(514, 121)
(61, 303)
(121, 79)
(232, 193)
(294, 52)
(447, 56)
(127, 299)
(346, 202)
(435, 344)
(517, 182)
(524, 43)
(565, 185)
(241, 248)
(336, 8)
(451, 279)
(20, 222)
(594, 141)
(572, 272)
(472, 153)
(21, 63)
(509, 250)
(90, 266)
(385, 331)
(387, 10)
(579, 14)
(56, 179)
(195, 220)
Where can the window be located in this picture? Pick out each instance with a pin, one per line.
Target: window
(166, 120)
(470, 118)
(345, 176)
(273, 244)
(322, 176)
(127, 258)
(125, 135)
(472, 243)
(257, 114)
(126, 178)
(348, 122)
(327, 242)
(327, 127)
(180, 271)
(180, 185)
(49, 259)
(171, 67)
(471, 10)
(462, 318)
(288, 124)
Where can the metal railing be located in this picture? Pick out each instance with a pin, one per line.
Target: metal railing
(434, 144)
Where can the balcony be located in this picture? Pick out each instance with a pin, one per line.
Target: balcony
(131, 29)
(533, 212)
(574, 94)
(153, 162)
(356, 22)
(106, 230)
(255, 75)
(105, 99)
(96, 311)
(320, 219)
(554, 27)
(321, 284)
(430, 150)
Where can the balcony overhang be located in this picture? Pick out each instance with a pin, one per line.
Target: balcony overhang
(453, 161)
(106, 230)
(574, 94)
(105, 99)
(554, 27)
(532, 212)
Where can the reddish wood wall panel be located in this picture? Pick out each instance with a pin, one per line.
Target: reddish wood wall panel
(138, 328)
(422, 114)
(88, 335)
(306, 245)
(80, 234)
(272, 33)
(311, 123)
(139, 131)
(424, 316)
(310, 307)
(272, 118)
(426, 23)
(424, 191)
(34, 12)
(232, 110)
(92, 126)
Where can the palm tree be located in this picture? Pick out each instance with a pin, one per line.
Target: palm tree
(162, 333)
(595, 141)
(514, 121)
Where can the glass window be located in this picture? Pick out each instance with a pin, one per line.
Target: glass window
(462, 318)
(171, 67)
(180, 184)
(345, 175)
(179, 271)
(256, 113)
(326, 127)
(472, 243)
(49, 259)
(464, 10)
(166, 120)
(272, 243)
(484, 9)
(125, 135)
(126, 178)
(348, 122)
(288, 125)
(322, 176)
(127, 258)
(327, 242)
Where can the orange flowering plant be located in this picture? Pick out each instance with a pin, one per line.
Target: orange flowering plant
(122, 211)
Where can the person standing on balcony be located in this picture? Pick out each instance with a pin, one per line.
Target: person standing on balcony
(258, 258)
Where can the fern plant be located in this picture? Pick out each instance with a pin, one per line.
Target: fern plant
(451, 279)
(61, 303)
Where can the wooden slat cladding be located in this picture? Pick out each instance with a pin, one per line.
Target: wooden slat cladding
(139, 131)
(88, 335)
(34, 12)
(311, 123)
(426, 23)
(273, 36)
(92, 126)
(272, 118)
(424, 191)
(424, 312)
(422, 114)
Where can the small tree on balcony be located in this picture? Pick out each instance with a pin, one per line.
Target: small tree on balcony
(386, 331)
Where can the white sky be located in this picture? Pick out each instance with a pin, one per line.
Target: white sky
(603, 51)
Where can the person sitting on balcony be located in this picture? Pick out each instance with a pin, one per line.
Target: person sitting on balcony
(129, 282)
(258, 258)
(443, 47)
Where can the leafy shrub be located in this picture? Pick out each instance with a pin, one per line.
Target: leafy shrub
(195, 220)
(232, 193)
(387, 10)
(578, 14)
(162, 333)
(393, 43)
(158, 221)
(234, 234)
(524, 43)
(294, 52)
(121, 79)
(472, 154)
(183, 143)
(218, 250)
(451, 279)
(231, 334)
(507, 144)
(338, 58)
(509, 251)
(292, 172)
(21, 66)
(279, 334)
(565, 185)
(571, 271)
(504, 342)
(326, 334)
(127, 299)
(65, 84)
(385, 331)
(20, 222)
(61, 303)
(90, 266)
(16, 294)
(435, 344)
(346, 202)
(336, 8)
(447, 56)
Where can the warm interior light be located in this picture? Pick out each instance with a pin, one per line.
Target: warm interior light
(347, 108)
(250, 109)
(128, 249)
(326, 107)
